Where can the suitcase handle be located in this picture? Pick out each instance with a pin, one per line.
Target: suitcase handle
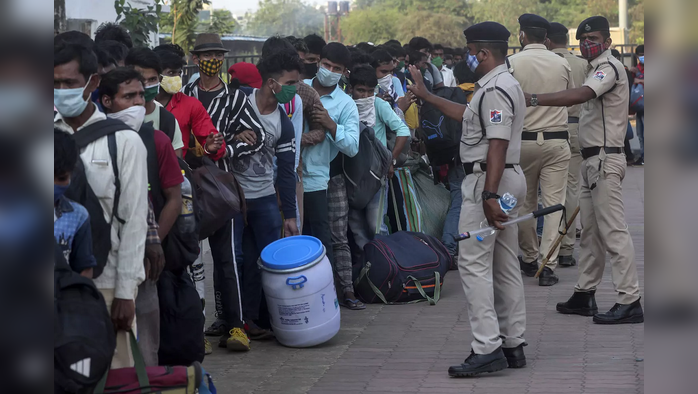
(298, 282)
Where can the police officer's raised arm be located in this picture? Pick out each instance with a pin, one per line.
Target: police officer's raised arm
(453, 110)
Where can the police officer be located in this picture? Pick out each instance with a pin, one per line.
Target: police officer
(602, 125)
(490, 153)
(545, 151)
(557, 42)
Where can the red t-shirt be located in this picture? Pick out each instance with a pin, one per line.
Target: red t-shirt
(193, 118)
(169, 171)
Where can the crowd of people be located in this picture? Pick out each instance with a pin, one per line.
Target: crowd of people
(130, 131)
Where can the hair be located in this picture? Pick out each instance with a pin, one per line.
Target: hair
(363, 74)
(439, 46)
(104, 58)
(272, 66)
(640, 49)
(535, 34)
(276, 44)
(615, 53)
(314, 43)
(418, 43)
(366, 47)
(393, 43)
(117, 50)
(171, 56)
(65, 52)
(463, 74)
(559, 39)
(298, 44)
(459, 51)
(381, 56)
(74, 37)
(360, 57)
(111, 80)
(144, 58)
(448, 56)
(336, 53)
(498, 49)
(415, 56)
(113, 31)
(65, 152)
(395, 51)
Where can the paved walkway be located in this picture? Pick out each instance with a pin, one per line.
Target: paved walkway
(408, 348)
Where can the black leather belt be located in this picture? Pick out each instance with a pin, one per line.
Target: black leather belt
(468, 167)
(547, 135)
(572, 119)
(591, 152)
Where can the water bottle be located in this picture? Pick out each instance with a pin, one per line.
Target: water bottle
(187, 221)
(507, 202)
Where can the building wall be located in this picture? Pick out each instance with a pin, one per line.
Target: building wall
(87, 15)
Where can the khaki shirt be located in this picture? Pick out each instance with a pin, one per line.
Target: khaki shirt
(501, 121)
(579, 68)
(540, 71)
(604, 119)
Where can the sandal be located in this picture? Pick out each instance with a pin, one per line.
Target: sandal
(353, 304)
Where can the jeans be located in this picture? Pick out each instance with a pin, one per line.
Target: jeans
(225, 276)
(263, 227)
(455, 180)
(316, 220)
(640, 130)
(365, 223)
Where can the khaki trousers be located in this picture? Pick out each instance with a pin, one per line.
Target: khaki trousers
(490, 270)
(122, 355)
(573, 189)
(604, 229)
(545, 163)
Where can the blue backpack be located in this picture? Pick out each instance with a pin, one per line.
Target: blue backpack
(637, 98)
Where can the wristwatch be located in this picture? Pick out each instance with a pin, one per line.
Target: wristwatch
(489, 195)
(534, 100)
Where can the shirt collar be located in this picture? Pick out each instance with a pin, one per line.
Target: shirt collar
(96, 117)
(560, 50)
(502, 68)
(332, 94)
(174, 101)
(534, 46)
(63, 206)
(602, 58)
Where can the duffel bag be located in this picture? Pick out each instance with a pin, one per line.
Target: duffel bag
(140, 379)
(403, 267)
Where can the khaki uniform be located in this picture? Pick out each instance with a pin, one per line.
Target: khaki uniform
(603, 123)
(579, 68)
(545, 156)
(489, 269)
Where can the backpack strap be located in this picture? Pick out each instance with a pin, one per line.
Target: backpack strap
(168, 123)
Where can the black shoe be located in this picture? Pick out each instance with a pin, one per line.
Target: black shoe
(581, 303)
(216, 329)
(547, 277)
(223, 340)
(621, 314)
(515, 356)
(480, 363)
(528, 269)
(566, 261)
(578, 233)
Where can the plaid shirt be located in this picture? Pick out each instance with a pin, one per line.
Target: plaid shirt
(311, 99)
(152, 236)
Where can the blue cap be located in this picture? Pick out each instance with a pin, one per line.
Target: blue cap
(292, 252)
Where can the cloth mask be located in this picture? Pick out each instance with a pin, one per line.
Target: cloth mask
(310, 70)
(386, 83)
(59, 191)
(151, 92)
(132, 116)
(401, 65)
(287, 93)
(641, 59)
(591, 50)
(472, 62)
(171, 85)
(437, 61)
(367, 110)
(69, 102)
(327, 78)
(210, 67)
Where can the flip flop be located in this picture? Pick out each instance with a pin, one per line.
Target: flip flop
(353, 304)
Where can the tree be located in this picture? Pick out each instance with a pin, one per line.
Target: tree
(184, 21)
(437, 28)
(376, 25)
(139, 23)
(285, 17)
(222, 22)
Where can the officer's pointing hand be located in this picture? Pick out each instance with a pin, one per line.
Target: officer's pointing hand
(418, 88)
(494, 214)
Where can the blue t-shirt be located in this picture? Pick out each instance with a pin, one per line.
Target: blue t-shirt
(71, 228)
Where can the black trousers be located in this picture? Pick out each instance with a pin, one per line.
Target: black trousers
(225, 277)
(316, 220)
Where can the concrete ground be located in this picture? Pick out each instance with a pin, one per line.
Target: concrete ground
(408, 348)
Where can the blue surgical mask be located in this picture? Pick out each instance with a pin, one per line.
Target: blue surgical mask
(69, 102)
(642, 59)
(327, 78)
(59, 191)
(472, 62)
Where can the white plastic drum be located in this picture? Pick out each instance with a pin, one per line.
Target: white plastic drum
(299, 287)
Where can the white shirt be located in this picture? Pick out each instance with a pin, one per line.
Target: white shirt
(154, 117)
(449, 79)
(124, 270)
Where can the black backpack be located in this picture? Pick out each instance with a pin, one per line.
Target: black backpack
(440, 133)
(81, 192)
(364, 172)
(83, 333)
(167, 122)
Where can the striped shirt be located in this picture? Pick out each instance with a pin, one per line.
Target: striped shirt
(231, 114)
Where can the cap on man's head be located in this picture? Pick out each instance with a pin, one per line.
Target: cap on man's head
(532, 21)
(487, 32)
(208, 42)
(595, 23)
(557, 29)
(247, 74)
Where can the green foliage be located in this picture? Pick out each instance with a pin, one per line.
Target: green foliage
(184, 15)
(438, 28)
(285, 17)
(139, 23)
(222, 22)
(376, 25)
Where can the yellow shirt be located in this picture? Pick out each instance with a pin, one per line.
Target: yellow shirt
(468, 87)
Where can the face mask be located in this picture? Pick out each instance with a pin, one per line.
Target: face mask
(171, 85)
(367, 110)
(472, 62)
(327, 78)
(59, 191)
(210, 67)
(401, 65)
(386, 83)
(641, 59)
(151, 92)
(69, 102)
(437, 61)
(591, 50)
(132, 116)
(286, 94)
(310, 70)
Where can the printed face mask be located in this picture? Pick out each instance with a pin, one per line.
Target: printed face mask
(151, 92)
(591, 50)
(132, 116)
(286, 94)
(328, 78)
(472, 62)
(367, 110)
(171, 85)
(69, 102)
(210, 67)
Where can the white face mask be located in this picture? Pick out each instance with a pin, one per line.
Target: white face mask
(367, 110)
(132, 116)
(386, 83)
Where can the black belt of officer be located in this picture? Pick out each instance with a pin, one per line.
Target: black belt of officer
(593, 151)
(468, 167)
(547, 135)
(573, 119)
